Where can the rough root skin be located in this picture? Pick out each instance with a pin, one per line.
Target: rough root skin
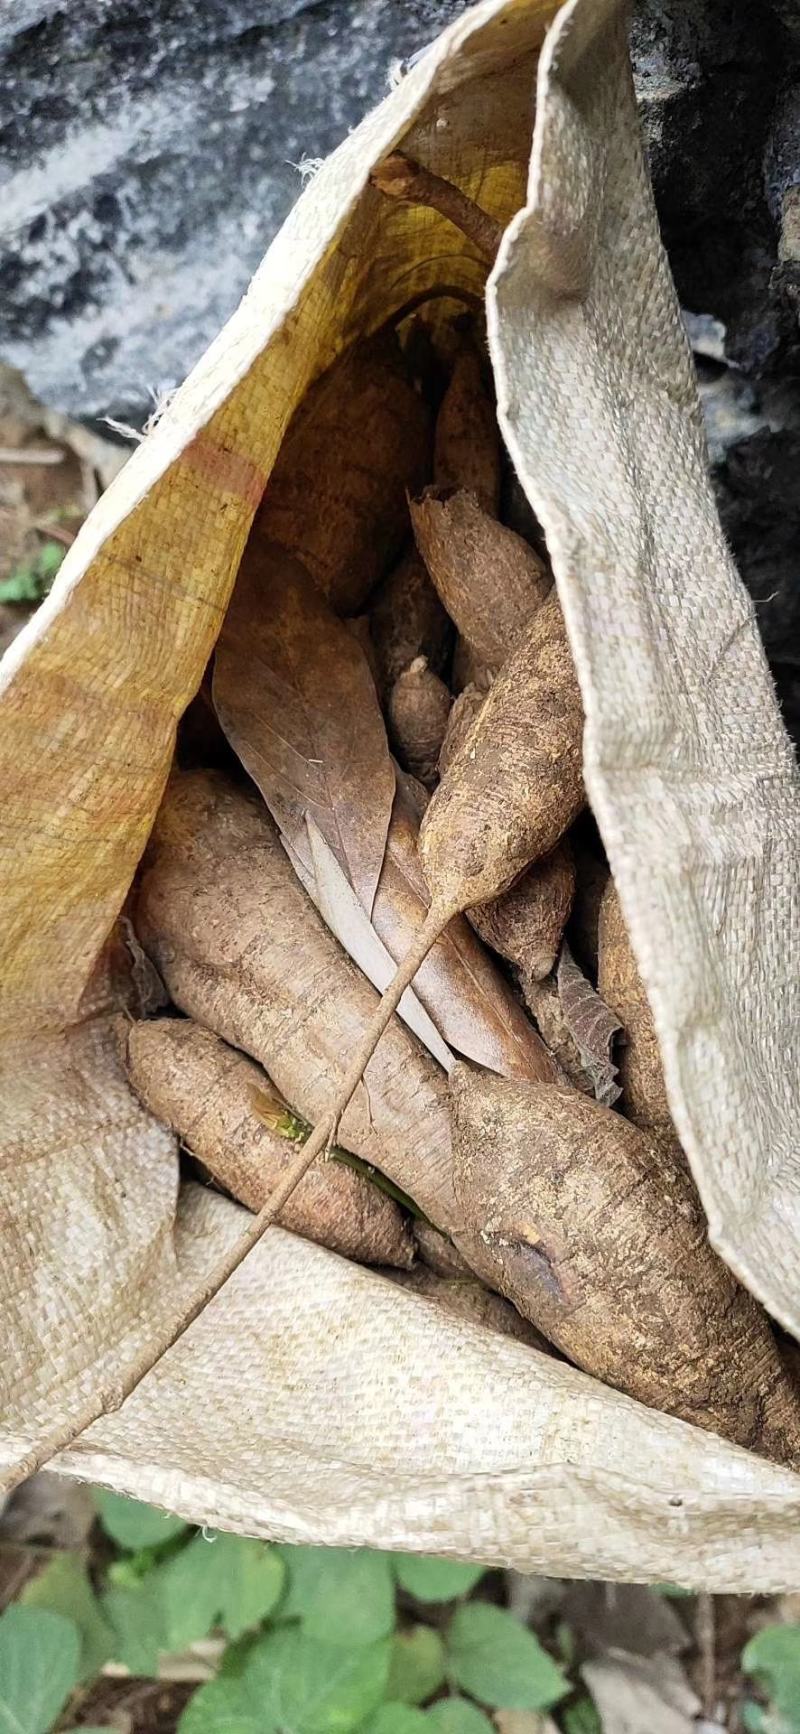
(526, 924)
(603, 1246)
(490, 581)
(418, 709)
(515, 787)
(203, 1090)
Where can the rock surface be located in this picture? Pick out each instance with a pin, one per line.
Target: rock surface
(150, 154)
(152, 151)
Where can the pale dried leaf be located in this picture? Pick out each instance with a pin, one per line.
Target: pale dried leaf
(591, 1025)
(339, 907)
(296, 699)
(148, 993)
(634, 1693)
(470, 1002)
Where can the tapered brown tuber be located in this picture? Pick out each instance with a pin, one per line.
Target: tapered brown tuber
(527, 923)
(514, 789)
(203, 1090)
(466, 1298)
(407, 620)
(242, 950)
(490, 581)
(419, 706)
(644, 1093)
(467, 451)
(337, 496)
(602, 1243)
(464, 713)
(438, 1253)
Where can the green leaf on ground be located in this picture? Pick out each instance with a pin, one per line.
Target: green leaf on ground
(64, 1588)
(773, 1658)
(133, 1525)
(392, 1718)
(416, 1669)
(499, 1662)
(250, 1577)
(342, 1596)
(458, 1716)
(224, 1706)
(293, 1683)
(188, 1592)
(435, 1580)
(138, 1620)
(39, 1667)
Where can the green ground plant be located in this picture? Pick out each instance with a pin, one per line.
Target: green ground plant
(314, 1640)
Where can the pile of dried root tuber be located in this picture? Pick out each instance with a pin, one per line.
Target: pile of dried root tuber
(384, 769)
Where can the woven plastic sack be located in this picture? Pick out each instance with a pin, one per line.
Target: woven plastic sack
(312, 1400)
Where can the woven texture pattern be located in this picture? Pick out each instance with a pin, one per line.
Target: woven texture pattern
(313, 1400)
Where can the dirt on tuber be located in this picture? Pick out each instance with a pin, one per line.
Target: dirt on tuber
(513, 790)
(526, 924)
(464, 712)
(603, 1246)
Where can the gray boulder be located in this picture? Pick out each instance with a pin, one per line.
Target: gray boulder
(149, 153)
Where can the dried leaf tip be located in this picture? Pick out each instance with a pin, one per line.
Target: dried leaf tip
(401, 178)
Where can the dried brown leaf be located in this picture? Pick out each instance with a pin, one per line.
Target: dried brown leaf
(644, 1090)
(334, 897)
(296, 699)
(592, 1026)
(469, 1001)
